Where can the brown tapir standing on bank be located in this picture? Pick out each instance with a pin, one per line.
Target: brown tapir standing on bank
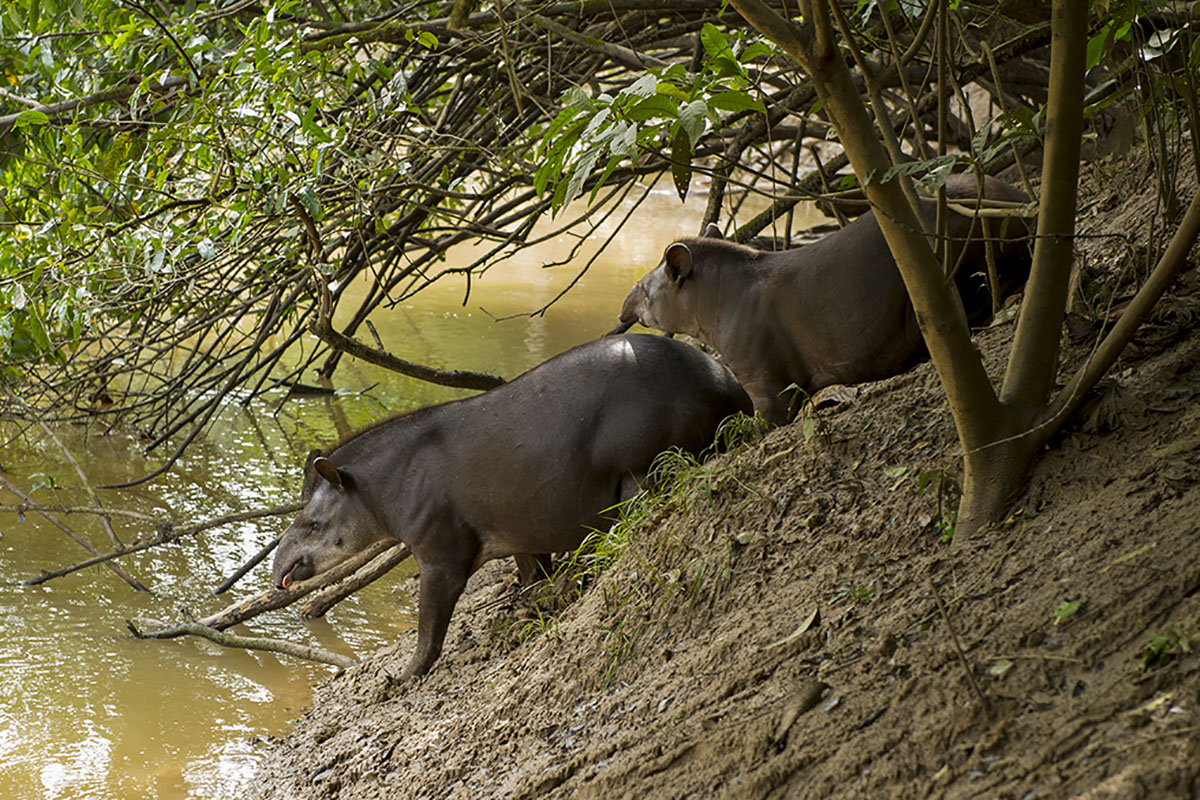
(526, 468)
(835, 311)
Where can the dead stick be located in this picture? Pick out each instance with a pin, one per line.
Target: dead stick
(251, 643)
(82, 542)
(254, 561)
(59, 508)
(278, 598)
(91, 490)
(166, 533)
(987, 706)
(323, 329)
(327, 598)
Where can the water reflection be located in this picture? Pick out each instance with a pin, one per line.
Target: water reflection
(86, 711)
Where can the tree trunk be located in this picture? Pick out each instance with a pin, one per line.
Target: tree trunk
(995, 473)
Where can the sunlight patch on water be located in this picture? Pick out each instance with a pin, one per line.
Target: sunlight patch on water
(84, 764)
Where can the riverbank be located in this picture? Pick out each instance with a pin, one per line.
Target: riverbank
(802, 630)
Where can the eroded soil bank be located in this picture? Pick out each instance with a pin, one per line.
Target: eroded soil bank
(800, 629)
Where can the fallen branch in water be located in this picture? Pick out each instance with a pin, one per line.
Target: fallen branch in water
(247, 642)
(329, 597)
(59, 508)
(254, 561)
(82, 542)
(167, 533)
(338, 582)
(278, 598)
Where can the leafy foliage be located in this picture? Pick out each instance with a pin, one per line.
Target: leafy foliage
(668, 108)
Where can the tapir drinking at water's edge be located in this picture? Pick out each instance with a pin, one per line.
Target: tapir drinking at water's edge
(523, 470)
(835, 311)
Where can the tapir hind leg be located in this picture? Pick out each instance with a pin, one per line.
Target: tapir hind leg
(533, 568)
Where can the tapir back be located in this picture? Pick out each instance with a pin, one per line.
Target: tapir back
(549, 453)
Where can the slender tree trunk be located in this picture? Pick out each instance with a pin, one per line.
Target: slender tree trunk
(996, 472)
(1034, 360)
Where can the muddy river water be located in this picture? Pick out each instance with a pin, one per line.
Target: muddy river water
(86, 710)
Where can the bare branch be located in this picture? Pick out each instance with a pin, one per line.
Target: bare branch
(243, 642)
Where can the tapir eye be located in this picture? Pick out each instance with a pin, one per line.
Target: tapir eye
(315, 527)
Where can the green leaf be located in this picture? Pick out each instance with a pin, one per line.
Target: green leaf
(312, 204)
(1095, 46)
(671, 90)
(998, 668)
(582, 170)
(116, 155)
(560, 122)
(756, 50)
(736, 101)
(895, 472)
(30, 116)
(1065, 610)
(1021, 120)
(608, 169)
(725, 66)
(624, 139)
(681, 163)
(309, 125)
(427, 39)
(37, 330)
(691, 117)
(713, 40)
(659, 106)
(576, 99)
(644, 86)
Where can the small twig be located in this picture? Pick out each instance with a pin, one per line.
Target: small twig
(247, 642)
(253, 562)
(987, 706)
(59, 508)
(91, 490)
(82, 542)
(462, 379)
(167, 533)
(1036, 657)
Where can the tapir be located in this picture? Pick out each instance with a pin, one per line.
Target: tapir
(525, 469)
(832, 312)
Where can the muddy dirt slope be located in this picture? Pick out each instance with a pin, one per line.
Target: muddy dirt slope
(801, 629)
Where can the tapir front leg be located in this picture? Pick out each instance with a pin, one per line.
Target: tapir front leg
(441, 586)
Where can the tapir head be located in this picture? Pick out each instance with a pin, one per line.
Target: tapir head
(665, 297)
(335, 524)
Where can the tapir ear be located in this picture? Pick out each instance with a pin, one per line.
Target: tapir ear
(307, 487)
(329, 472)
(712, 231)
(678, 262)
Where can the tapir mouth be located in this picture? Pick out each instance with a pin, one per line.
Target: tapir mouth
(622, 326)
(298, 571)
